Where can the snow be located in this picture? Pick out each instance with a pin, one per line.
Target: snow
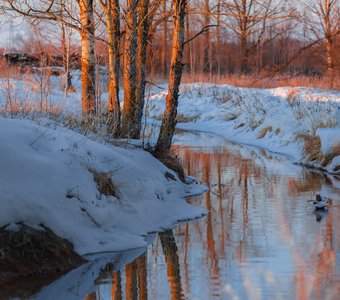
(271, 119)
(329, 137)
(45, 173)
(45, 179)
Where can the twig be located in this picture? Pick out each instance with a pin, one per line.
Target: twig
(39, 137)
(203, 30)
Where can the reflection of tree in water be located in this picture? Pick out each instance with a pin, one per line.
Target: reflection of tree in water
(131, 280)
(231, 234)
(116, 286)
(135, 281)
(172, 263)
(142, 277)
(240, 192)
(213, 267)
(136, 275)
(324, 283)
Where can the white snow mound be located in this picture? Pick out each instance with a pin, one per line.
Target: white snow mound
(45, 179)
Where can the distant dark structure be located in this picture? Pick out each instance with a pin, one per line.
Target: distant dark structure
(21, 59)
(39, 59)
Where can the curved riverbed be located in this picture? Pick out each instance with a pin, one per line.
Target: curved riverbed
(261, 238)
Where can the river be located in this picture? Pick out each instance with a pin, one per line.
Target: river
(260, 239)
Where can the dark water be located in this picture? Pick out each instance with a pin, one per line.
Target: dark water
(261, 238)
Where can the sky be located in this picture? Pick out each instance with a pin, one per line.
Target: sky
(11, 30)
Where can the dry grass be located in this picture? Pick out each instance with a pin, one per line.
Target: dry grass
(185, 119)
(104, 183)
(264, 131)
(312, 147)
(173, 163)
(179, 118)
(335, 151)
(264, 81)
(27, 106)
(313, 153)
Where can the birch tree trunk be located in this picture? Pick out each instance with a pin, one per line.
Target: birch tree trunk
(169, 118)
(130, 70)
(244, 20)
(87, 59)
(112, 11)
(218, 38)
(328, 32)
(66, 45)
(206, 49)
(143, 29)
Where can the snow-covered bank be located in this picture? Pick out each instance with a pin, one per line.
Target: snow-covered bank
(47, 177)
(273, 119)
(279, 119)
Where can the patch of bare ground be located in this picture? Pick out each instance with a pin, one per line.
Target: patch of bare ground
(312, 151)
(31, 258)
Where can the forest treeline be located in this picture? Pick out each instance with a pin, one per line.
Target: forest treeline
(136, 38)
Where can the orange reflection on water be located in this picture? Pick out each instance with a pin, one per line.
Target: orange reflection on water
(259, 240)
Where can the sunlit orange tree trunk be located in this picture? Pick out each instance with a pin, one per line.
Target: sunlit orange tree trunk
(112, 10)
(62, 12)
(130, 70)
(143, 28)
(172, 263)
(169, 118)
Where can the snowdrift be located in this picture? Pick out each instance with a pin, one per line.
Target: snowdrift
(277, 119)
(51, 177)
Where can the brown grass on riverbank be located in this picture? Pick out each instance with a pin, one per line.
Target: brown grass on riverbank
(265, 81)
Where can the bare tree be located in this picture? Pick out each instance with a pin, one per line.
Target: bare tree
(143, 28)
(248, 20)
(164, 40)
(130, 70)
(88, 76)
(66, 54)
(326, 28)
(207, 41)
(65, 49)
(59, 11)
(112, 16)
(218, 36)
(169, 118)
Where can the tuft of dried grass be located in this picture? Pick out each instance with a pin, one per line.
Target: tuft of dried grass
(173, 163)
(311, 147)
(313, 153)
(104, 183)
(264, 80)
(185, 119)
(264, 131)
(335, 151)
